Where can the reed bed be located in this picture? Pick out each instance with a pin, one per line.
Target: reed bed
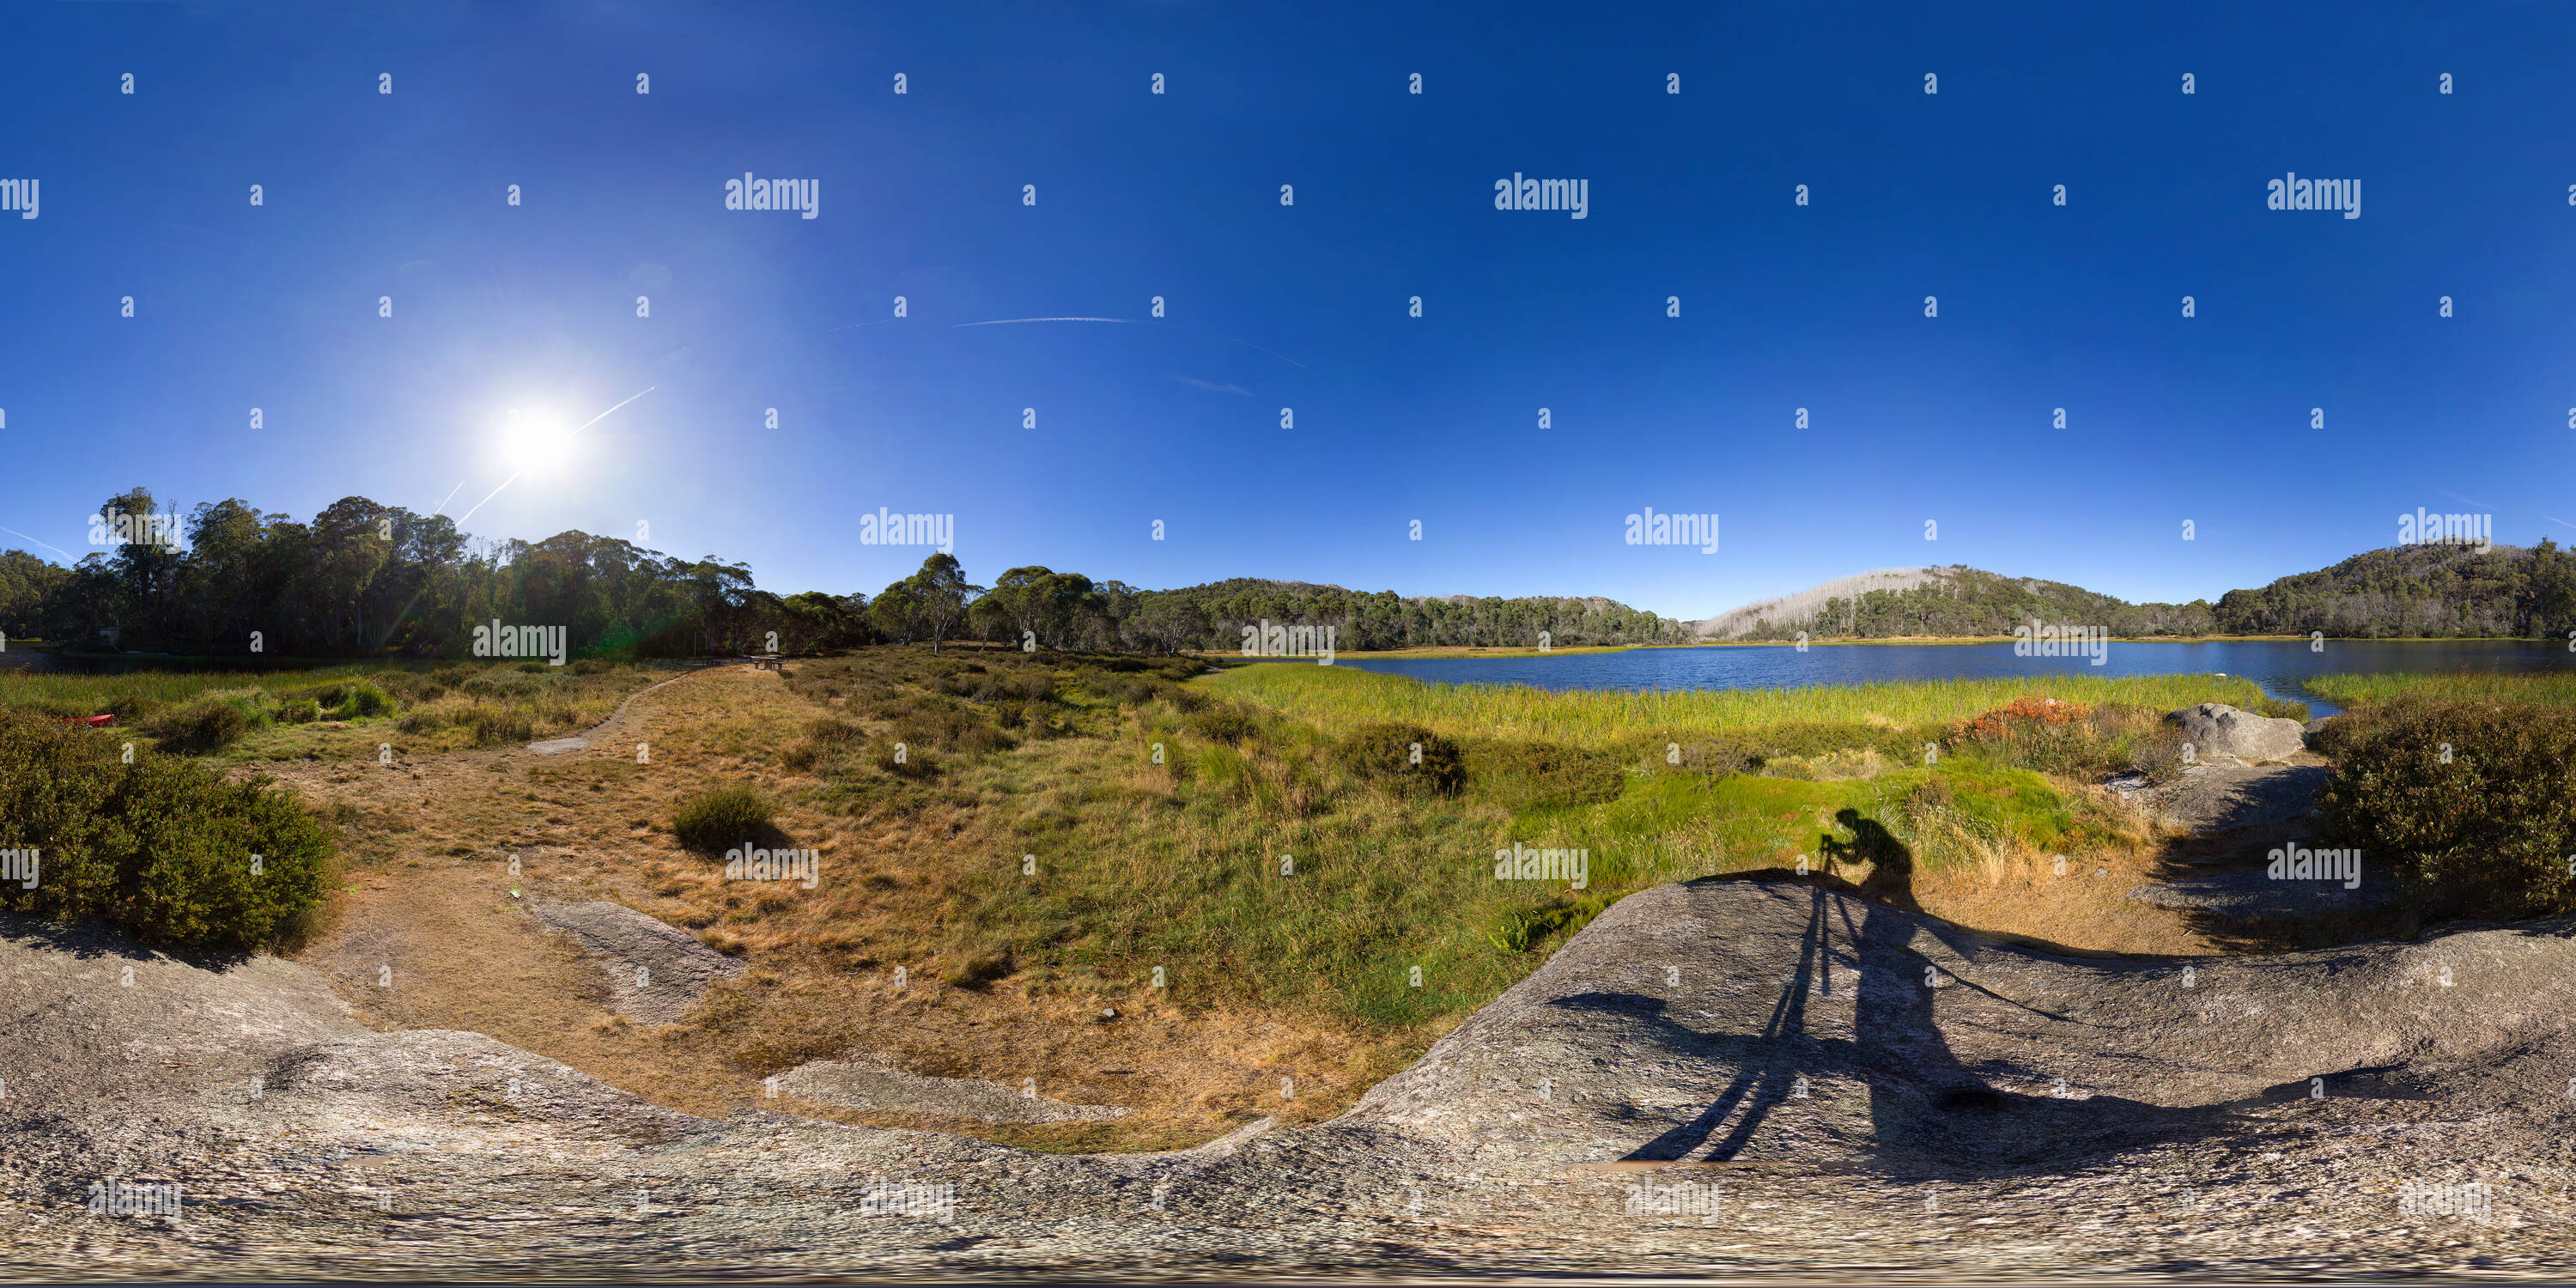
(1339, 700)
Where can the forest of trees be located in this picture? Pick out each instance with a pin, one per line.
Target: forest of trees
(2421, 591)
(2417, 591)
(364, 579)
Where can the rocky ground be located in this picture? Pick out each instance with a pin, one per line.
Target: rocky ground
(1720, 1079)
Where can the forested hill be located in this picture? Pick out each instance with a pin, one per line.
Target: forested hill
(1959, 600)
(2417, 590)
(1386, 620)
(2428, 590)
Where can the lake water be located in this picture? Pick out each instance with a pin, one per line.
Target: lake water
(2280, 667)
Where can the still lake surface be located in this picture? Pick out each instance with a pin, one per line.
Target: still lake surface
(2281, 667)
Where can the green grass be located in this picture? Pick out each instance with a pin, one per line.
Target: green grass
(2551, 689)
(1182, 866)
(288, 713)
(1341, 700)
(137, 693)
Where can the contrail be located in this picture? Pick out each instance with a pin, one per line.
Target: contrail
(515, 477)
(1139, 322)
(24, 537)
(451, 495)
(1009, 321)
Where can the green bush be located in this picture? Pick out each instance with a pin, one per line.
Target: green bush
(161, 848)
(1544, 775)
(1225, 724)
(201, 727)
(1403, 758)
(711, 821)
(2484, 830)
(299, 711)
(366, 700)
(835, 731)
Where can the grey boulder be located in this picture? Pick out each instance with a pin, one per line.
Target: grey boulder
(2217, 729)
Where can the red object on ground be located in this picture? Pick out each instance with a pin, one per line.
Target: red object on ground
(91, 722)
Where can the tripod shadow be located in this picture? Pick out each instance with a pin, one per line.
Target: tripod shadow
(1927, 1109)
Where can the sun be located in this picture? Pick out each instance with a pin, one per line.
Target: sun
(535, 441)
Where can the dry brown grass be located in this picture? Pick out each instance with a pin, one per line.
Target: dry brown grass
(430, 898)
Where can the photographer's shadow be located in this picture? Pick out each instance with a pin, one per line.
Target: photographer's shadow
(1928, 1111)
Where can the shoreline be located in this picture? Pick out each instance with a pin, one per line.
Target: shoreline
(1474, 651)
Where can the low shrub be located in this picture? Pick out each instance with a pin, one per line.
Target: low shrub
(2472, 803)
(495, 726)
(1544, 775)
(975, 967)
(904, 759)
(201, 727)
(834, 731)
(160, 848)
(711, 821)
(1403, 758)
(366, 701)
(299, 711)
(420, 721)
(1226, 724)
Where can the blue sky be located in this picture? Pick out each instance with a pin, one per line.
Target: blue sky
(402, 195)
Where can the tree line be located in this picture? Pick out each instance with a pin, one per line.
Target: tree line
(362, 578)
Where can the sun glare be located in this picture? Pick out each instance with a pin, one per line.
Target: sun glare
(535, 442)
